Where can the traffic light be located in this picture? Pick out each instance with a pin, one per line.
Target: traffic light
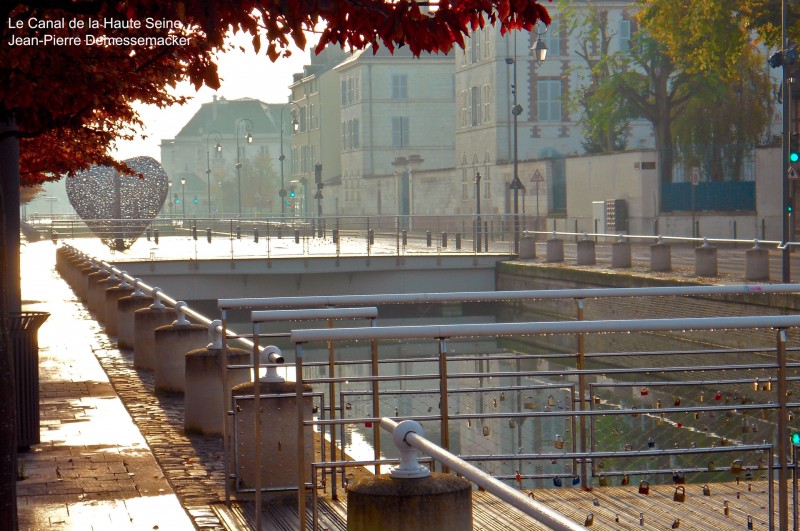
(794, 148)
(291, 193)
(795, 438)
(196, 200)
(176, 199)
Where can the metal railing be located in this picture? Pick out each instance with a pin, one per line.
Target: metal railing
(536, 510)
(442, 334)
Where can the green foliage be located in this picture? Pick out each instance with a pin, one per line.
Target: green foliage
(701, 85)
(604, 119)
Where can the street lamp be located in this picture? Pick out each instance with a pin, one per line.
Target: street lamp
(217, 148)
(248, 128)
(183, 196)
(539, 50)
(282, 157)
(171, 199)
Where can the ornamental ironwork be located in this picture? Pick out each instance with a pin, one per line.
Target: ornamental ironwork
(119, 208)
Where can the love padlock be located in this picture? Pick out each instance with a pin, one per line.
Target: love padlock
(680, 494)
(644, 487)
(558, 442)
(706, 490)
(644, 391)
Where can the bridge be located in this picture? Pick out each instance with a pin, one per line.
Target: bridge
(590, 450)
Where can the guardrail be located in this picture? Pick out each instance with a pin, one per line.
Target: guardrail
(412, 435)
(183, 310)
(442, 334)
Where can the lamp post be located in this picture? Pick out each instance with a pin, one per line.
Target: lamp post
(539, 50)
(282, 157)
(217, 148)
(477, 212)
(183, 196)
(248, 128)
(171, 199)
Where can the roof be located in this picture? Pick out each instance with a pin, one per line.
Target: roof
(222, 115)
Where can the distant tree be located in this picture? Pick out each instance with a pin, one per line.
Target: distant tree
(604, 119)
(259, 183)
(726, 120)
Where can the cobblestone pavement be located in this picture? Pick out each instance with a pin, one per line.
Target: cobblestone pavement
(94, 468)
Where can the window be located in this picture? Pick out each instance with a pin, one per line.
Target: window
(552, 39)
(400, 131)
(302, 120)
(487, 176)
(549, 100)
(476, 105)
(475, 42)
(624, 35)
(487, 42)
(311, 117)
(399, 86)
(349, 90)
(463, 117)
(487, 103)
(350, 134)
(464, 181)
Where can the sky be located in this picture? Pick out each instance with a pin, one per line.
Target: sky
(243, 75)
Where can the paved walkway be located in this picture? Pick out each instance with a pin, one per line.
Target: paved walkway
(93, 469)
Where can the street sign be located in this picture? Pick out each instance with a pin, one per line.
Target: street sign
(695, 176)
(537, 177)
(793, 173)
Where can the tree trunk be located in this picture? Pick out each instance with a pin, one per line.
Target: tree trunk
(10, 302)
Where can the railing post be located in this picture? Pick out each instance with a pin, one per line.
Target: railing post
(443, 402)
(301, 457)
(376, 404)
(582, 392)
(332, 400)
(783, 433)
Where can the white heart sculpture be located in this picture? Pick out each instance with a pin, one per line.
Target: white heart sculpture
(118, 208)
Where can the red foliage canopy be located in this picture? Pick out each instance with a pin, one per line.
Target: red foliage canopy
(72, 98)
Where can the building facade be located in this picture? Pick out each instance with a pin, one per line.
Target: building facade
(228, 156)
(396, 117)
(314, 107)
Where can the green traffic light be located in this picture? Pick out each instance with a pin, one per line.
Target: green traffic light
(794, 157)
(795, 438)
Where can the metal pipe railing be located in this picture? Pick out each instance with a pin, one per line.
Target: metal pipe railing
(536, 510)
(321, 301)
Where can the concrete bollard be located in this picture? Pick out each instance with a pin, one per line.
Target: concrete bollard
(92, 291)
(555, 250)
(660, 256)
(441, 501)
(170, 345)
(527, 248)
(586, 252)
(145, 322)
(705, 260)
(113, 295)
(279, 444)
(81, 287)
(205, 402)
(126, 308)
(409, 496)
(621, 254)
(756, 264)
